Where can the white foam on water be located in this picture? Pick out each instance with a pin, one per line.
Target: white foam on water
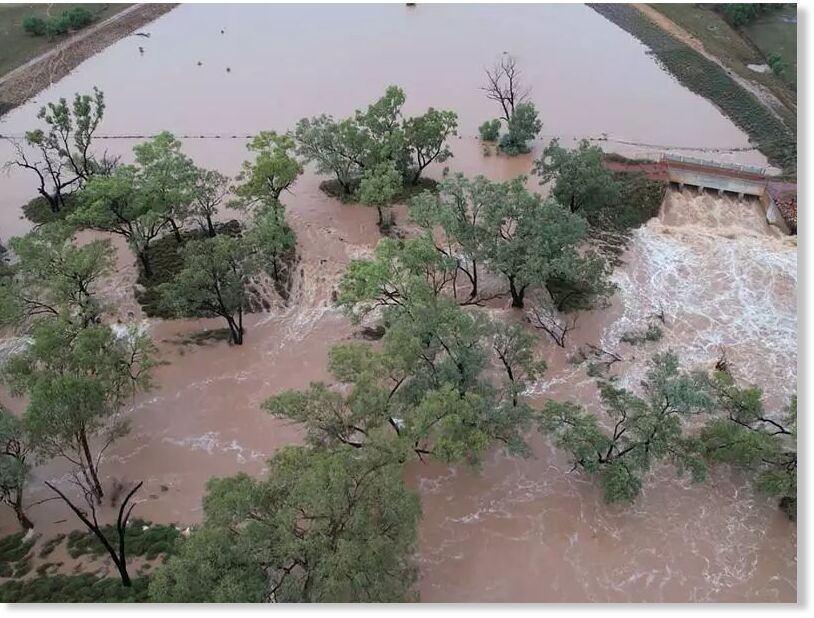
(723, 284)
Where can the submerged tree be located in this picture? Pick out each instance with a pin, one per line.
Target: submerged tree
(213, 282)
(747, 437)
(427, 391)
(322, 526)
(165, 179)
(274, 170)
(77, 380)
(64, 159)
(14, 467)
(581, 181)
(645, 429)
(458, 209)
(116, 204)
(504, 86)
(209, 192)
(524, 126)
(53, 277)
(379, 187)
(377, 137)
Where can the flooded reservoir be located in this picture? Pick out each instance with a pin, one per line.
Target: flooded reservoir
(516, 529)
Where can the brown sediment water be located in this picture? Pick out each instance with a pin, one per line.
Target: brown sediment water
(518, 529)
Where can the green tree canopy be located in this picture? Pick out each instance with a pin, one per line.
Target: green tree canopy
(77, 379)
(745, 435)
(524, 125)
(14, 450)
(53, 277)
(274, 170)
(380, 135)
(322, 526)
(644, 429)
(64, 161)
(581, 181)
(379, 187)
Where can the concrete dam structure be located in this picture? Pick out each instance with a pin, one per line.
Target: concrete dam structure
(741, 180)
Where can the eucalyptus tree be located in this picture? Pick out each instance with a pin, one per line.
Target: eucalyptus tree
(54, 277)
(644, 429)
(379, 186)
(428, 389)
(321, 526)
(166, 179)
(209, 191)
(523, 126)
(77, 379)
(337, 147)
(274, 169)
(529, 240)
(504, 86)
(217, 272)
(15, 449)
(117, 204)
(64, 161)
(580, 180)
(213, 282)
(458, 209)
(745, 435)
(379, 135)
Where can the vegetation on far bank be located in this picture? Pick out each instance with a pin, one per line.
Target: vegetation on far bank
(18, 46)
(740, 46)
(769, 134)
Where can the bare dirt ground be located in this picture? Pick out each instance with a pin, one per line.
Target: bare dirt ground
(25, 81)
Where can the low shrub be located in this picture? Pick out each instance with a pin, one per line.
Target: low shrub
(490, 130)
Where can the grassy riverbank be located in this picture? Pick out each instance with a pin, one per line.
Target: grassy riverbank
(739, 47)
(709, 80)
(18, 47)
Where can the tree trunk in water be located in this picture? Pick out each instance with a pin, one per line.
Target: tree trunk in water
(211, 227)
(517, 295)
(53, 202)
(26, 523)
(145, 264)
(97, 486)
(474, 278)
(175, 231)
(235, 331)
(379, 209)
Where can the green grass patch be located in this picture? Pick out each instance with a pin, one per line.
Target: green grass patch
(776, 33)
(18, 47)
(51, 544)
(166, 260)
(82, 588)
(740, 47)
(155, 541)
(705, 78)
(15, 555)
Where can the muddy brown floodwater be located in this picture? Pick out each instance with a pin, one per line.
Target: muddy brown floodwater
(518, 529)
